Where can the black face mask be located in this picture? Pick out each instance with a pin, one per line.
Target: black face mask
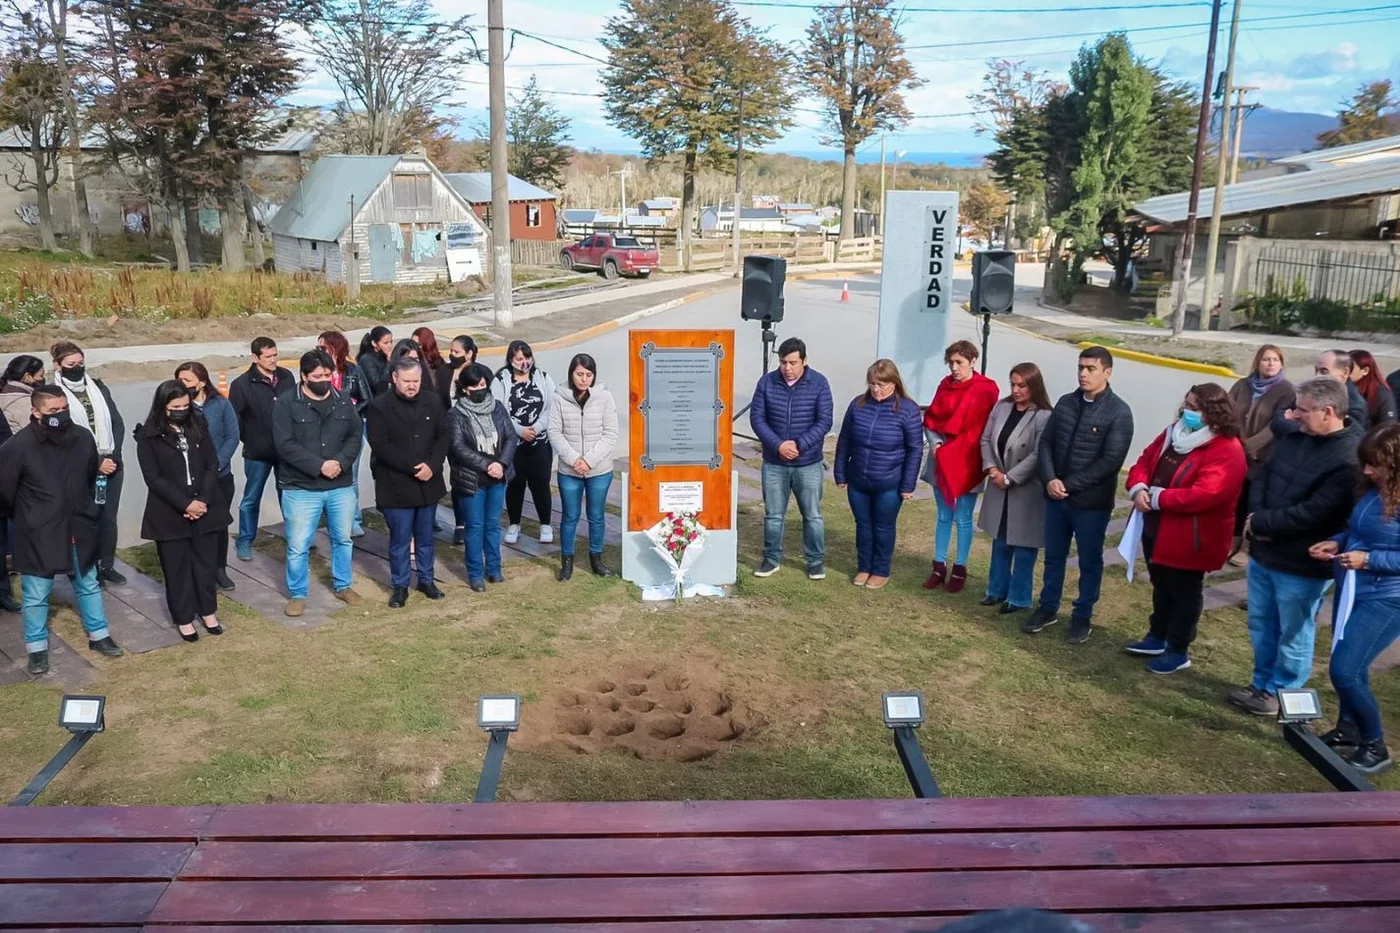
(58, 421)
(75, 373)
(194, 393)
(457, 360)
(477, 396)
(178, 415)
(317, 388)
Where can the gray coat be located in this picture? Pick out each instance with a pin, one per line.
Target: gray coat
(1025, 523)
(589, 431)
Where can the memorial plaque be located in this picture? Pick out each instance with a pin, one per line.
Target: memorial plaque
(681, 402)
(681, 405)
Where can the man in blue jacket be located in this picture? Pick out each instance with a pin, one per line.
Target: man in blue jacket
(791, 413)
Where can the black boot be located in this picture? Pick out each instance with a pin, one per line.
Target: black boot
(1371, 758)
(105, 646)
(566, 567)
(398, 597)
(595, 563)
(38, 662)
(8, 601)
(1345, 736)
(221, 577)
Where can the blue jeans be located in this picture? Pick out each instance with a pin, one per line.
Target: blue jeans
(416, 526)
(303, 509)
(876, 513)
(1282, 625)
(959, 512)
(805, 483)
(1086, 528)
(1012, 573)
(255, 476)
(572, 492)
(35, 592)
(481, 516)
(1373, 626)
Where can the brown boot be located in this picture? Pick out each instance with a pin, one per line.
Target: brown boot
(957, 580)
(936, 576)
(295, 608)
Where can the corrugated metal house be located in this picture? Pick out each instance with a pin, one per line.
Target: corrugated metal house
(532, 209)
(401, 207)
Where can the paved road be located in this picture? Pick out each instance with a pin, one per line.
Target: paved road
(841, 343)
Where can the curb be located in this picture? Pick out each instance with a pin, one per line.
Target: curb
(1170, 362)
(588, 333)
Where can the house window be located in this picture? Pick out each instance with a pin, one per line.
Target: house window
(412, 192)
(532, 215)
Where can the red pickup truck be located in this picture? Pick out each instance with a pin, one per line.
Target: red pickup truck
(612, 255)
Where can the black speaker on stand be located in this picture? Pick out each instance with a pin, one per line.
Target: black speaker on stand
(761, 299)
(993, 289)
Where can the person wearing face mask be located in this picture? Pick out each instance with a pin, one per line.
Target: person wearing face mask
(186, 513)
(46, 485)
(373, 358)
(16, 385)
(222, 424)
(1257, 398)
(482, 456)
(408, 439)
(460, 354)
(254, 396)
(1186, 484)
(318, 437)
(955, 420)
(528, 394)
(92, 408)
(878, 451)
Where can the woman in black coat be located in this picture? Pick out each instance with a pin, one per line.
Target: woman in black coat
(185, 512)
(373, 358)
(482, 456)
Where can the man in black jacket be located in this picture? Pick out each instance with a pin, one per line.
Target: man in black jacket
(408, 439)
(1337, 366)
(254, 396)
(1303, 495)
(1084, 445)
(317, 434)
(46, 482)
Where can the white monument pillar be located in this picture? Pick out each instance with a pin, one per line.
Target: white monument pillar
(916, 286)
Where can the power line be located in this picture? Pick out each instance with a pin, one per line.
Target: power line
(965, 10)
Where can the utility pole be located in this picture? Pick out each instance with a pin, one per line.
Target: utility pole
(882, 184)
(1240, 111)
(351, 263)
(1218, 195)
(738, 183)
(500, 177)
(1186, 245)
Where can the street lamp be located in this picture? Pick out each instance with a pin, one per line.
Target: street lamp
(498, 716)
(84, 717)
(1297, 708)
(903, 713)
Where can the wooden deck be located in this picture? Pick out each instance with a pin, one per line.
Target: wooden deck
(1313, 862)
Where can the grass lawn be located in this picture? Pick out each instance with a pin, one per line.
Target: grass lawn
(771, 693)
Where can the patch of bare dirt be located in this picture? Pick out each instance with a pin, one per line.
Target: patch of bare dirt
(682, 712)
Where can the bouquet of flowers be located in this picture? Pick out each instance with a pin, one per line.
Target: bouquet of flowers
(679, 538)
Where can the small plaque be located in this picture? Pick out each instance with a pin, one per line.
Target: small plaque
(680, 404)
(682, 497)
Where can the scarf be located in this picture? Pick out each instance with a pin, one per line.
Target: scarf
(947, 413)
(480, 416)
(102, 431)
(1184, 441)
(1259, 385)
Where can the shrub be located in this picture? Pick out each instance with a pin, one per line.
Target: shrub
(1325, 314)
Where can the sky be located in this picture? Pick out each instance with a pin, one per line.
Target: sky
(1303, 55)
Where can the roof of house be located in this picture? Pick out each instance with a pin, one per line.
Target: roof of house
(319, 208)
(1340, 182)
(795, 207)
(1389, 147)
(748, 213)
(475, 187)
(660, 204)
(579, 215)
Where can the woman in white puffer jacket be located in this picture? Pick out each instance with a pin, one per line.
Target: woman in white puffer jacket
(583, 432)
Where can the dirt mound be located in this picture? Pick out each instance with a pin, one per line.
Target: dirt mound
(651, 713)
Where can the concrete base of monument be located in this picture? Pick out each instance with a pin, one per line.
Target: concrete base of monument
(718, 564)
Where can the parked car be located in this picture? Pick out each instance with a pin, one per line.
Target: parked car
(612, 255)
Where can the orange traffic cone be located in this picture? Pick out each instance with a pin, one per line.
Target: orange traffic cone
(845, 291)
(223, 382)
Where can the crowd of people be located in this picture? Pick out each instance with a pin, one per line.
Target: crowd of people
(1301, 484)
(429, 424)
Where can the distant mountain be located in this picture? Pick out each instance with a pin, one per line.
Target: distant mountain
(1273, 134)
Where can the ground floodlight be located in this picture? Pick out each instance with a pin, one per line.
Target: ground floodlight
(1299, 706)
(903, 709)
(498, 713)
(80, 714)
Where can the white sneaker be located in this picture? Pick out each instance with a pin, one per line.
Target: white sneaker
(546, 534)
(512, 534)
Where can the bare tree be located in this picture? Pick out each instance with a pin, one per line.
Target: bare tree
(32, 105)
(855, 62)
(1009, 88)
(396, 64)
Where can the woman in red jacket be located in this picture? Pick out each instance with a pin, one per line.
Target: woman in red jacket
(1186, 484)
(954, 421)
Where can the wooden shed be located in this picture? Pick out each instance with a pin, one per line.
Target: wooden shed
(405, 215)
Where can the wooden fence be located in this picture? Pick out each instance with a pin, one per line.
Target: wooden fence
(712, 253)
(537, 252)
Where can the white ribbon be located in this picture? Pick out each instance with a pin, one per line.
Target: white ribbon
(1344, 606)
(1131, 544)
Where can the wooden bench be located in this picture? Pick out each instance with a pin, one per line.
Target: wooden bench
(1317, 862)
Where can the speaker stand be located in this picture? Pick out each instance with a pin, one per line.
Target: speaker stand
(770, 337)
(986, 338)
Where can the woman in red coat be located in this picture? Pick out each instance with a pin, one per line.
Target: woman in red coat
(954, 421)
(1186, 484)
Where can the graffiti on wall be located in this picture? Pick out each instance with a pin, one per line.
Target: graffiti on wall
(28, 214)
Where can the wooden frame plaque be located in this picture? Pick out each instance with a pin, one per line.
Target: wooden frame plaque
(680, 431)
